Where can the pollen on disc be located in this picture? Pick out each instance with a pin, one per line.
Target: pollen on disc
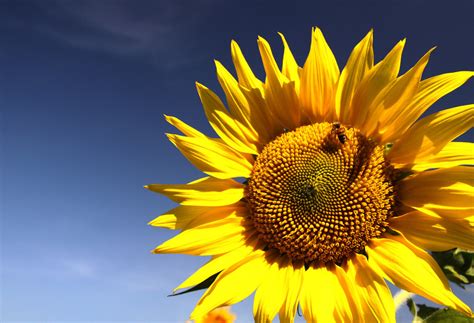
(320, 193)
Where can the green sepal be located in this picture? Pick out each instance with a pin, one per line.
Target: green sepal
(202, 285)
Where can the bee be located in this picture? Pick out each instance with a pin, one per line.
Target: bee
(339, 131)
(387, 148)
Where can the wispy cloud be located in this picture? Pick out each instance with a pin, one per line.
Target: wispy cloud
(160, 31)
(53, 266)
(81, 268)
(56, 264)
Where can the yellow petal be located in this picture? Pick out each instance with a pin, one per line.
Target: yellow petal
(359, 63)
(216, 264)
(372, 84)
(318, 80)
(212, 156)
(273, 73)
(280, 93)
(435, 233)
(183, 127)
(322, 297)
(429, 91)
(253, 117)
(413, 270)
(352, 312)
(448, 189)
(448, 212)
(392, 102)
(234, 133)
(234, 284)
(238, 105)
(294, 282)
(206, 191)
(289, 67)
(178, 217)
(185, 216)
(429, 135)
(212, 238)
(370, 292)
(260, 115)
(244, 72)
(453, 154)
(272, 293)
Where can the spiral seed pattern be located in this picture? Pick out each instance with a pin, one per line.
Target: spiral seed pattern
(320, 193)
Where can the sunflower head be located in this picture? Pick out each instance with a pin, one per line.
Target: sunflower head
(343, 186)
(320, 193)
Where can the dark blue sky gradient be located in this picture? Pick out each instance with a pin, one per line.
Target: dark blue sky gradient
(84, 86)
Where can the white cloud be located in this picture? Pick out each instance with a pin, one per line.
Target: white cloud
(80, 268)
(161, 31)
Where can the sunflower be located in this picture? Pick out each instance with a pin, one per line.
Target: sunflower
(219, 315)
(323, 185)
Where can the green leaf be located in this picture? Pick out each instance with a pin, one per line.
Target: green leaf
(412, 307)
(455, 276)
(425, 311)
(427, 314)
(457, 264)
(448, 315)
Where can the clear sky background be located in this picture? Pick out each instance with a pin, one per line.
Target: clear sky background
(83, 89)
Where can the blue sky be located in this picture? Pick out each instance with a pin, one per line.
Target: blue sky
(84, 86)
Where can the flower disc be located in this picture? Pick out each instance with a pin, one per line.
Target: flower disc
(321, 192)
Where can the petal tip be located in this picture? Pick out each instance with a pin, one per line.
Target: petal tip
(234, 48)
(172, 137)
(199, 85)
(261, 40)
(370, 35)
(317, 32)
(157, 250)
